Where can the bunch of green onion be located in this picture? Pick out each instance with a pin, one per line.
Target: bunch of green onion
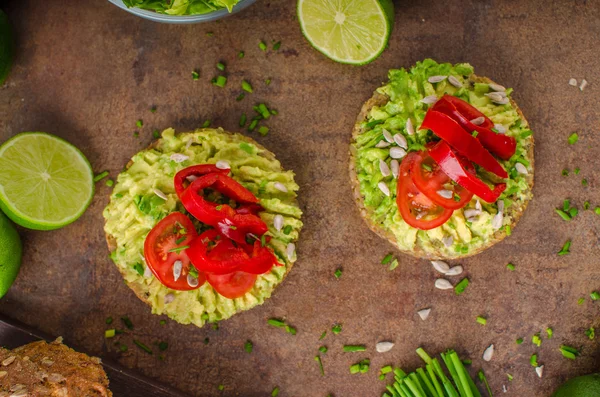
(432, 381)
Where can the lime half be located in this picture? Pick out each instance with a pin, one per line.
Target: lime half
(347, 31)
(10, 254)
(45, 182)
(6, 47)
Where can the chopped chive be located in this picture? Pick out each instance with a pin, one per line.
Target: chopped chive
(139, 123)
(510, 267)
(569, 352)
(354, 348)
(179, 249)
(550, 332)
(276, 322)
(275, 392)
(580, 301)
(590, 333)
(241, 54)
(387, 259)
(142, 346)
(508, 230)
(215, 326)
(136, 134)
(109, 333)
(210, 34)
(355, 368)
(323, 349)
(206, 340)
(566, 248)
(336, 329)
(586, 205)
(109, 320)
(573, 212)
(373, 123)
(181, 240)
(565, 172)
(110, 183)
(526, 133)
(162, 346)
(276, 46)
(243, 120)
(221, 387)
(533, 360)
(563, 214)
(290, 330)
(382, 377)
(163, 322)
(338, 273)
(220, 81)
(263, 110)
(262, 46)
(484, 380)
(573, 138)
(246, 86)
(206, 124)
(461, 286)
(519, 341)
(481, 320)
(195, 75)
(595, 295)
(100, 176)
(394, 264)
(536, 340)
(139, 268)
(323, 335)
(252, 125)
(127, 322)
(240, 97)
(263, 130)
(274, 112)
(221, 66)
(467, 362)
(248, 346)
(123, 348)
(510, 378)
(156, 134)
(597, 210)
(576, 171)
(387, 369)
(584, 182)
(318, 360)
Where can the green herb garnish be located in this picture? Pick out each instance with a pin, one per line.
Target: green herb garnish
(536, 340)
(220, 81)
(565, 248)
(139, 268)
(590, 333)
(262, 46)
(510, 267)
(195, 75)
(276, 46)
(275, 392)
(221, 66)
(248, 346)
(354, 348)
(263, 130)
(336, 329)
(481, 320)
(318, 360)
(100, 176)
(179, 249)
(246, 86)
(550, 332)
(323, 349)
(569, 352)
(338, 273)
(387, 259)
(461, 286)
(142, 346)
(276, 322)
(109, 320)
(519, 341)
(127, 322)
(109, 333)
(533, 360)
(139, 123)
(595, 295)
(162, 346)
(573, 138)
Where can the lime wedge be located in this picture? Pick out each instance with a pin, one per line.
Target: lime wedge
(45, 182)
(347, 31)
(6, 47)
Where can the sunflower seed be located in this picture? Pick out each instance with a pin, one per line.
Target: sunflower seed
(56, 378)
(473, 219)
(573, 82)
(18, 387)
(583, 84)
(436, 79)
(223, 165)
(454, 271)
(455, 82)
(387, 136)
(478, 205)
(291, 251)
(500, 204)
(278, 222)
(191, 178)
(192, 281)
(280, 186)
(179, 158)
(47, 362)
(382, 144)
(395, 168)
(447, 194)
(500, 128)
(424, 314)
(147, 272)
(410, 130)
(470, 213)
(448, 241)
(521, 169)
(9, 361)
(397, 152)
(488, 353)
(384, 188)
(169, 298)
(504, 390)
(383, 167)
(20, 393)
(478, 120)
(539, 370)
(442, 283)
(440, 266)
(496, 87)
(497, 221)
(383, 347)
(160, 194)
(430, 100)
(401, 141)
(497, 97)
(177, 268)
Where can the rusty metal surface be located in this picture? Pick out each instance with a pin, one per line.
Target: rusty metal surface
(86, 71)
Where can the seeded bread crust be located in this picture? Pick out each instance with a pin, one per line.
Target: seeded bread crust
(137, 288)
(515, 211)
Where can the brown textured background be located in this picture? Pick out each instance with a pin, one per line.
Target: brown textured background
(86, 71)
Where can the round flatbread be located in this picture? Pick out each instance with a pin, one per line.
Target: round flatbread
(389, 109)
(136, 206)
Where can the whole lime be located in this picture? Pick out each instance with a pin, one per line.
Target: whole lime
(582, 386)
(6, 47)
(10, 254)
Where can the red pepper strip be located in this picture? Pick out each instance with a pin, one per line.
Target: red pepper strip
(221, 216)
(462, 112)
(245, 209)
(196, 171)
(451, 165)
(450, 131)
(234, 190)
(225, 257)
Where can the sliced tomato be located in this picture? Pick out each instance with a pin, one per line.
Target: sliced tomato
(232, 285)
(432, 181)
(165, 246)
(415, 207)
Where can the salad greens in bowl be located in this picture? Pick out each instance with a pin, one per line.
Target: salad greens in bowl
(182, 11)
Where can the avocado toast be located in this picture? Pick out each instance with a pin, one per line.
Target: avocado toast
(138, 204)
(410, 95)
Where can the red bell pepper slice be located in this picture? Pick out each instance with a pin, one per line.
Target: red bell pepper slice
(450, 131)
(212, 252)
(452, 166)
(501, 145)
(195, 171)
(222, 216)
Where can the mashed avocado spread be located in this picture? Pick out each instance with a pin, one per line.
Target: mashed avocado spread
(182, 7)
(462, 233)
(135, 208)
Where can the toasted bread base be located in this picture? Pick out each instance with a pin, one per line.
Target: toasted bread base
(515, 211)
